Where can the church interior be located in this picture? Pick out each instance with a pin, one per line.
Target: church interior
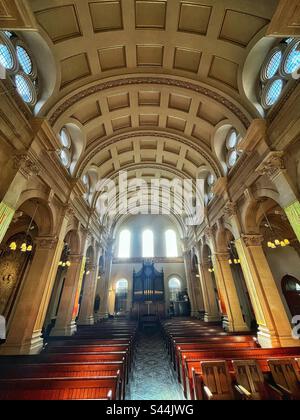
(114, 285)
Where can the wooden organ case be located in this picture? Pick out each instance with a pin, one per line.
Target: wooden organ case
(148, 292)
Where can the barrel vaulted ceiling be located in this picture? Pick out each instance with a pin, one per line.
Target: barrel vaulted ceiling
(149, 82)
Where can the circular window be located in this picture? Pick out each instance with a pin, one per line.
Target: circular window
(272, 92)
(272, 64)
(65, 138)
(232, 140)
(25, 88)
(65, 157)
(291, 62)
(232, 158)
(24, 60)
(6, 57)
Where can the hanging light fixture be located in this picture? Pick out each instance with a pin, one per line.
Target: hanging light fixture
(275, 243)
(234, 259)
(25, 246)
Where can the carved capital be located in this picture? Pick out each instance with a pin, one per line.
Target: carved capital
(25, 165)
(69, 211)
(46, 242)
(272, 164)
(230, 209)
(222, 257)
(209, 233)
(253, 240)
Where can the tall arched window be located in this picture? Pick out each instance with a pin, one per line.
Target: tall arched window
(124, 244)
(171, 244)
(148, 244)
(174, 288)
(121, 296)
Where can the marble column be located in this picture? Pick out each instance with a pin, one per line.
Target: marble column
(65, 321)
(209, 295)
(274, 326)
(235, 320)
(86, 314)
(25, 328)
(104, 305)
(189, 282)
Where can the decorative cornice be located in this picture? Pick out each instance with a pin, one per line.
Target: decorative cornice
(156, 260)
(253, 240)
(149, 81)
(220, 186)
(46, 242)
(25, 165)
(272, 164)
(256, 133)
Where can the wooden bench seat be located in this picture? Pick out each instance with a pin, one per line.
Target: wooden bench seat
(59, 389)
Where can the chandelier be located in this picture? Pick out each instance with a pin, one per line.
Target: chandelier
(65, 262)
(275, 241)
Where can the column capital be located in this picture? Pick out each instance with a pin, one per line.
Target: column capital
(253, 240)
(209, 233)
(272, 164)
(75, 258)
(25, 165)
(222, 256)
(230, 209)
(46, 242)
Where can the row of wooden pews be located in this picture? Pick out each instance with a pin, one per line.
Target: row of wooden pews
(94, 364)
(214, 365)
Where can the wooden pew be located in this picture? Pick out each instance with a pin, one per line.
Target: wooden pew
(59, 389)
(286, 376)
(67, 370)
(217, 383)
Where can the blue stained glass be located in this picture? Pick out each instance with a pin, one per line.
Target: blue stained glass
(24, 59)
(6, 59)
(274, 92)
(8, 34)
(273, 64)
(292, 62)
(23, 89)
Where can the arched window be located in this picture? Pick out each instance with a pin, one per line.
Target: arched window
(171, 244)
(278, 68)
(17, 60)
(291, 291)
(148, 244)
(122, 287)
(124, 244)
(121, 296)
(174, 288)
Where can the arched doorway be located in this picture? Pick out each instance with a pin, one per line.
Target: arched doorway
(174, 288)
(291, 292)
(121, 297)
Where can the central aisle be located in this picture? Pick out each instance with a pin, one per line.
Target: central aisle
(152, 376)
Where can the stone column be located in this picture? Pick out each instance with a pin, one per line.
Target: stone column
(86, 314)
(273, 166)
(104, 305)
(235, 320)
(65, 322)
(24, 336)
(25, 169)
(209, 295)
(189, 282)
(274, 327)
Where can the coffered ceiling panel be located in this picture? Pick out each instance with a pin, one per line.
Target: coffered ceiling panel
(186, 59)
(194, 18)
(60, 22)
(106, 15)
(180, 102)
(224, 70)
(112, 58)
(74, 68)
(150, 14)
(150, 55)
(149, 98)
(121, 100)
(88, 113)
(241, 27)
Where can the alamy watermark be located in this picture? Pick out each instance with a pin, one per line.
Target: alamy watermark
(296, 329)
(124, 195)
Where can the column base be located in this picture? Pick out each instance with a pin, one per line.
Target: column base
(269, 339)
(230, 327)
(33, 346)
(212, 318)
(67, 331)
(88, 321)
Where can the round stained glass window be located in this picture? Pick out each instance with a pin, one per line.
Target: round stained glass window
(24, 60)
(232, 139)
(273, 92)
(292, 61)
(6, 58)
(24, 89)
(65, 138)
(273, 64)
(232, 158)
(65, 157)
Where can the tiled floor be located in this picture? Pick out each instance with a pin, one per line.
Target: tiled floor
(152, 376)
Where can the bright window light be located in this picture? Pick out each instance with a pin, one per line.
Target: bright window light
(171, 244)
(124, 244)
